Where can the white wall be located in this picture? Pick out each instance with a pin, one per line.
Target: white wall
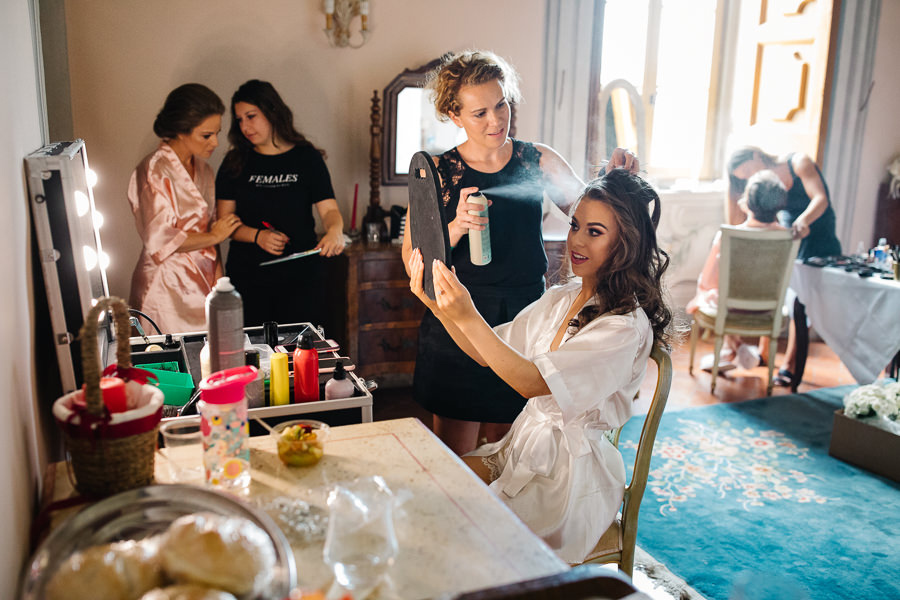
(21, 127)
(124, 58)
(881, 142)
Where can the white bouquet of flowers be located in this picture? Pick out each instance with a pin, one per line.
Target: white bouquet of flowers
(877, 399)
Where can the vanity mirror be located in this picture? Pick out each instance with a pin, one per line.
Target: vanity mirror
(411, 125)
(67, 228)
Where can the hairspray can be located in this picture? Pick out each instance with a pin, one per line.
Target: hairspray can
(480, 241)
(225, 323)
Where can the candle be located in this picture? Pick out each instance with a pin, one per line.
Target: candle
(353, 216)
(112, 391)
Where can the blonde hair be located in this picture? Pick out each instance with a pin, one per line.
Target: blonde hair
(470, 67)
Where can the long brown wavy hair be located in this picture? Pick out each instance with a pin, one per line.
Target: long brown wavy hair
(262, 95)
(632, 277)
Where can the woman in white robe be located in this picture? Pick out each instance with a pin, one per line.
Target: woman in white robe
(579, 354)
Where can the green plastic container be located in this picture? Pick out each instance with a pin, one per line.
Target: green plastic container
(176, 387)
(171, 365)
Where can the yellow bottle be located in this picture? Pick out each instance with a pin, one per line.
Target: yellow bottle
(279, 380)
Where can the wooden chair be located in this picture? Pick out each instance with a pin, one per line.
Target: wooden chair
(754, 271)
(617, 544)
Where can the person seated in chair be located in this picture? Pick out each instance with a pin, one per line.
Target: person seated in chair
(763, 197)
(578, 354)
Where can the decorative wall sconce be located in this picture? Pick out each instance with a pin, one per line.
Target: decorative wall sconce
(338, 14)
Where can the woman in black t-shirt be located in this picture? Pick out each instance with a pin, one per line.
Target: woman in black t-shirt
(272, 177)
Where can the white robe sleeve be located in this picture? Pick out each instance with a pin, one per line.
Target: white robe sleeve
(520, 332)
(594, 369)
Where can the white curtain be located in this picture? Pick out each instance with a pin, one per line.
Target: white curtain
(571, 81)
(851, 84)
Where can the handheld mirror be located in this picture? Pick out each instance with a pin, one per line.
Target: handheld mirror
(426, 213)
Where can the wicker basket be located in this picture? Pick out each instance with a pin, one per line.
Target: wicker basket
(109, 453)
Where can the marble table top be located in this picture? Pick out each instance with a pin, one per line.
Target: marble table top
(454, 535)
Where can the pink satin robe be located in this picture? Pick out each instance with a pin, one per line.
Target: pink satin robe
(168, 285)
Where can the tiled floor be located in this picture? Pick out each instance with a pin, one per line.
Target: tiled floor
(823, 369)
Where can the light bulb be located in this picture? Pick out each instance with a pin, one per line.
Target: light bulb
(91, 177)
(82, 204)
(98, 219)
(104, 261)
(90, 258)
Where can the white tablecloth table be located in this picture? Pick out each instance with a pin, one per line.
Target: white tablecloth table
(858, 317)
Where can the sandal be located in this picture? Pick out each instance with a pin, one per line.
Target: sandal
(783, 379)
(725, 364)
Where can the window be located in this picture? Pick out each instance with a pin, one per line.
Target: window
(710, 74)
(667, 50)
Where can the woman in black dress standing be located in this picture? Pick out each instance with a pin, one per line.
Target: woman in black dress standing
(474, 90)
(808, 213)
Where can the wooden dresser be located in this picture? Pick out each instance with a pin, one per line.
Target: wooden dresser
(382, 314)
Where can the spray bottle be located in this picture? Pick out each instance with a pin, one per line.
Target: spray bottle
(225, 323)
(480, 241)
(339, 386)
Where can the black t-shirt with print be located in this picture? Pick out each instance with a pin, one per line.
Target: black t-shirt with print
(280, 190)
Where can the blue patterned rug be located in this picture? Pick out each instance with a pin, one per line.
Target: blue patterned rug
(747, 492)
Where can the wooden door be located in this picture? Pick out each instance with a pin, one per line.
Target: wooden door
(785, 59)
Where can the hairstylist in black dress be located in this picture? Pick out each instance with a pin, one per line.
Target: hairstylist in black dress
(272, 177)
(474, 90)
(809, 214)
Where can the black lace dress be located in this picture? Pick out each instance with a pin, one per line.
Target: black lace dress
(822, 240)
(447, 382)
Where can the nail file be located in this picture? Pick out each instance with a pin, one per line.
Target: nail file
(293, 256)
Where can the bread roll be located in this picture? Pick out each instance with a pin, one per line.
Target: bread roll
(187, 591)
(118, 571)
(227, 553)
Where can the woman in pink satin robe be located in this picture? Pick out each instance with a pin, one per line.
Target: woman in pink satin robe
(172, 197)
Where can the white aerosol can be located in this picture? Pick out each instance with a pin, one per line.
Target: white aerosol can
(480, 241)
(225, 323)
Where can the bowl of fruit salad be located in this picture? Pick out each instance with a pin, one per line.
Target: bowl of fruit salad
(301, 443)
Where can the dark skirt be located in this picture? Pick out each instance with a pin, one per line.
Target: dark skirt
(290, 292)
(450, 384)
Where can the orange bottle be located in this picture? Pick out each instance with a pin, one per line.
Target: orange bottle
(306, 371)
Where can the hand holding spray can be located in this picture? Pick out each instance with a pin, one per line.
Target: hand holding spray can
(480, 241)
